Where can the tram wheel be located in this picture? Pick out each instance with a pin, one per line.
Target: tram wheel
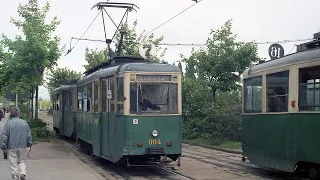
(313, 174)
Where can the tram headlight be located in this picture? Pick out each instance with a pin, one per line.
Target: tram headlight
(154, 133)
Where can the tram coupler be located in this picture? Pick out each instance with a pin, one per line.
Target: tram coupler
(128, 164)
(243, 158)
(179, 164)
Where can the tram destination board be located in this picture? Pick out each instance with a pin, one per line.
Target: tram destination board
(153, 78)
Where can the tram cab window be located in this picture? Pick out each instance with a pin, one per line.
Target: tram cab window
(154, 98)
(309, 89)
(253, 95)
(278, 91)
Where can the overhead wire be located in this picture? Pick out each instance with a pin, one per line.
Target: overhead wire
(82, 34)
(173, 17)
(203, 44)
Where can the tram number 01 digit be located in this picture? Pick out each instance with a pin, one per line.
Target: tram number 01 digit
(154, 141)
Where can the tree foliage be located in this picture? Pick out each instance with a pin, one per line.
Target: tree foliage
(130, 46)
(36, 50)
(44, 103)
(223, 60)
(29, 55)
(59, 76)
(94, 57)
(211, 95)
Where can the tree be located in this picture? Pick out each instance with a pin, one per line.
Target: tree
(44, 103)
(130, 46)
(210, 90)
(94, 57)
(59, 76)
(33, 52)
(223, 61)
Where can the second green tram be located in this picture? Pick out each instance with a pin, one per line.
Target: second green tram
(281, 111)
(128, 111)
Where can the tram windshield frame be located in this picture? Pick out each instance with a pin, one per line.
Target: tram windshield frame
(154, 98)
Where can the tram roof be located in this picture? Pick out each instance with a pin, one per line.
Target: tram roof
(64, 88)
(134, 67)
(303, 56)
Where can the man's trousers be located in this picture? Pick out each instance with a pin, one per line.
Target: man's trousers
(17, 159)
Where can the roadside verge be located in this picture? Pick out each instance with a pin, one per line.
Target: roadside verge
(233, 151)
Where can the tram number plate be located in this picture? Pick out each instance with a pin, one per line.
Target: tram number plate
(154, 141)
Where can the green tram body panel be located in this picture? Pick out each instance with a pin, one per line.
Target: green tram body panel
(280, 141)
(64, 119)
(114, 136)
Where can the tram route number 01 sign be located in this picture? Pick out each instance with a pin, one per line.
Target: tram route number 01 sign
(276, 51)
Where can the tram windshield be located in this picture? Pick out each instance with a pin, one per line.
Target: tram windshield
(153, 98)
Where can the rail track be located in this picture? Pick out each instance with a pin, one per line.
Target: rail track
(232, 163)
(122, 172)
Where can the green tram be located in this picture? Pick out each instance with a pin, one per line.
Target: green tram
(127, 110)
(281, 111)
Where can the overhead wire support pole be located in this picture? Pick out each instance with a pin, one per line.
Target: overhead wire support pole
(127, 12)
(104, 27)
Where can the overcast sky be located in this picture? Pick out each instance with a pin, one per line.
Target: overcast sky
(271, 20)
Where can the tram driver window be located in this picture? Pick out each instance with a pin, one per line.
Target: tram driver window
(253, 95)
(309, 89)
(278, 91)
(154, 98)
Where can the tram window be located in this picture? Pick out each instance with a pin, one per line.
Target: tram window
(96, 98)
(253, 95)
(70, 100)
(89, 99)
(154, 98)
(58, 99)
(85, 98)
(80, 98)
(309, 89)
(278, 91)
(133, 98)
(120, 96)
(104, 95)
(112, 88)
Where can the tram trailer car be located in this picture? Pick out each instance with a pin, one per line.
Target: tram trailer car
(129, 112)
(281, 111)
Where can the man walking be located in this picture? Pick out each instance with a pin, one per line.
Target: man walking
(16, 140)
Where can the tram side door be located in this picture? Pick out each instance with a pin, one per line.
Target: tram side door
(104, 118)
(60, 110)
(111, 117)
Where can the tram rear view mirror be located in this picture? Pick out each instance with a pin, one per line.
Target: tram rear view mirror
(109, 94)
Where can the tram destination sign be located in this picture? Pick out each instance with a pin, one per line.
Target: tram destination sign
(153, 78)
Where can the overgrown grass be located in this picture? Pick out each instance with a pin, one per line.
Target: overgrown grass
(204, 141)
(209, 141)
(231, 145)
(39, 131)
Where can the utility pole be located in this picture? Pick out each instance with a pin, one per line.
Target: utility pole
(16, 100)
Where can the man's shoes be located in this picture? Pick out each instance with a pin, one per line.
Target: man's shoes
(23, 177)
(15, 177)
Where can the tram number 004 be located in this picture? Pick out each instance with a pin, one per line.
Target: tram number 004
(154, 141)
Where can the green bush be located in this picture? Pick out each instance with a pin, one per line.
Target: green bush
(39, 130)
